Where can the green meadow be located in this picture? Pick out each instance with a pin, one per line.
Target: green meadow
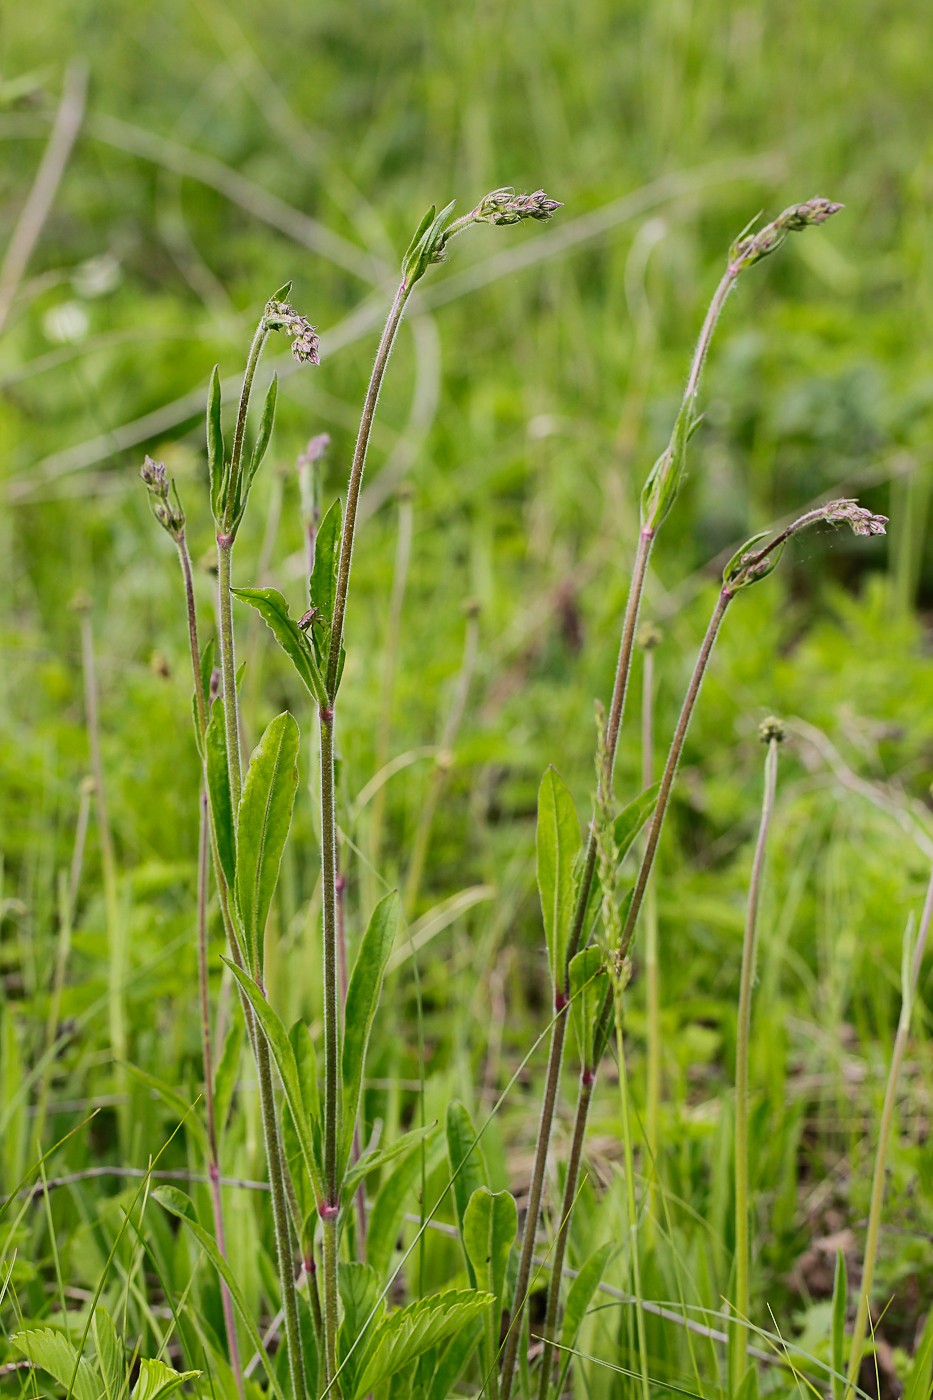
(165, 170)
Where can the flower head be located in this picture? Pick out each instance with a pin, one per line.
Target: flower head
(280, 316)
(163, 498)
(750, 248)
(504, 206)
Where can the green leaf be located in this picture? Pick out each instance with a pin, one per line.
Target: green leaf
(405, 1335)
(667, 475)
(322, 585)
(205, 671)
(748, 1390)
(283, 293)
(589, 983)
(392, 1199)
(451, 1365)
(111, 1358)
(218, 791)
(467, 1167)
(427, 246)
(156, 1380)
(363, 993)
(178, 1204)
(284, 1056)
(266, 424)
(227, 1073)
(632, 818)
(381, 1156)
(558, 841)
(581, 1291)
(920, 1377)
(215, 447)
(54, 1353)
(262, 827)
(359, 1289)
(273, 610)
(840, 1305)
(180, 1107)
(734, 575)
(490, 1223)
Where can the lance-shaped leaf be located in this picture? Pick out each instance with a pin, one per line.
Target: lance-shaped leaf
(581, 1292)
(589, 983)
(405, 1335)
(205, 670)
(379, 1156)
(467, 1166)
(489, 1228)
(262, 827)
(322, 585)
(266, 424)
(740, 572)
(179, 1205)
(427, 246)
(362, 1308)
(395, 1195)
(273, 610)
(558, 841)
(666, 476)
(632, 818)
(215, 448)
(362, 999)
(218, 792)
(227, 1073)
(271, 1026)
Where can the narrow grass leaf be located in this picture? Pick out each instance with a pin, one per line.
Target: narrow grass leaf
(179, 1205)
(284, 1056)
(273, 610)
(919, 1385)
(176, 1102)
(840, 1304)
(263, 823)
(227, 1074)
(53, 1352)
(581, 1291)
(363, 994)
(558, 842)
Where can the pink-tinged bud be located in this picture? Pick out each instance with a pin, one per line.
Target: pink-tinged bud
(279, 316)
(504, 206)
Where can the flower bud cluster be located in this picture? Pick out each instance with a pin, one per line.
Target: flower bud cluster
(860, 520)
(504, 206)
(163, 498)
(280, 316)
(750, 248)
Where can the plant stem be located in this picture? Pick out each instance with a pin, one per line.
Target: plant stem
(652, 980)
(739, 1344)
(116, 943)
(559, 1029)
(386, 343)
(214, 1156)
(329, 1255)
(630, 1199)
(587, 1085)
(910, 979)
(273, 1145)
(260, 336)
(393, 635)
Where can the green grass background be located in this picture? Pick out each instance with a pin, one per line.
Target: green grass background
(535, 382)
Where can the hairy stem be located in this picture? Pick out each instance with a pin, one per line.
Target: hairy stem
(739, 1345)
(214, 1156)
(630, 1199)
(559, 1029)
(356, 481)
(652, 976)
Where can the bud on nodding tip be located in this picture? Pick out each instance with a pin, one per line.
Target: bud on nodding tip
(771, 730)
(504, 206)
(280, 316)
(167, 511)
(750, 248)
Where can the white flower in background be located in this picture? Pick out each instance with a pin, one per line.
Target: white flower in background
(66, 323)
(97, 276)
